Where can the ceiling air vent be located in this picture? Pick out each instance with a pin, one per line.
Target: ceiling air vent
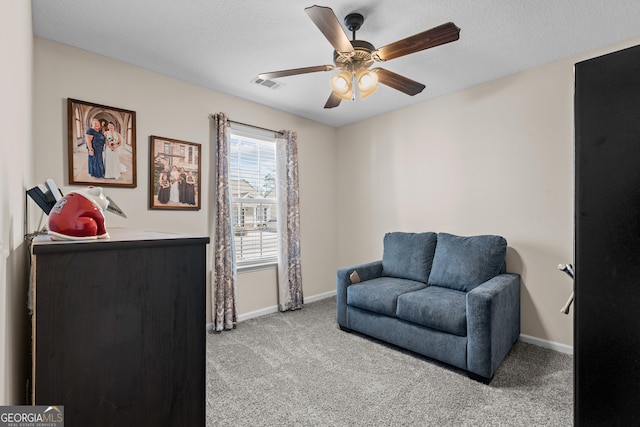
(271, 84)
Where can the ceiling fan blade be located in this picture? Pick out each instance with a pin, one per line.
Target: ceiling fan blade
(333, 101)
(328, 24)
(295, 71)
(436, 36)
(398, 82)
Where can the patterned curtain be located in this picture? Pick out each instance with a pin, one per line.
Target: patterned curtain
(289, 271)
(224, 283)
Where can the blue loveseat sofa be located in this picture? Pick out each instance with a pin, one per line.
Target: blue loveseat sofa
(443, 296)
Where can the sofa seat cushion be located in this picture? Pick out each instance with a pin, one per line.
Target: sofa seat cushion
(462, 263)
(437, 308)
(408, 255)
(380, 295)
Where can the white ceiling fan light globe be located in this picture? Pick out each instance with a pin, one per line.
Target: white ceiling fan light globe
(367, 82)
(341, 85)
(367, 79)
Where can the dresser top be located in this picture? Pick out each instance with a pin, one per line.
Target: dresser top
(119, 238)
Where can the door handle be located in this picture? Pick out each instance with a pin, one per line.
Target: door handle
(568, 268)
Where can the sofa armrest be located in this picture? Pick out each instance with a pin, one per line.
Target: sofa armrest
(366, 271)
(493, 323)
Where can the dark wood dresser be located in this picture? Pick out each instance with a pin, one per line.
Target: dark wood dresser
(119, 329)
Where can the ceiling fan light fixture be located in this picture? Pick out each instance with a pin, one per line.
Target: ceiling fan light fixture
(341, 85)
(367, 82)
(354, 57)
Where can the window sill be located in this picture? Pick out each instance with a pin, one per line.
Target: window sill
(255, 267)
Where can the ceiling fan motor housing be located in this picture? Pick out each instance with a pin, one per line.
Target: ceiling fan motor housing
(360, 58)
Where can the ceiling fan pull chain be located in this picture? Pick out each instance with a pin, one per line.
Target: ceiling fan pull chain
(354, 85)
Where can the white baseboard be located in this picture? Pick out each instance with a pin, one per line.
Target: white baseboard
(258, 313)
(562, 348)
(274, 308)
(319, 297)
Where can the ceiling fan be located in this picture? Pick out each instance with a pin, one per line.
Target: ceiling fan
(354, 57)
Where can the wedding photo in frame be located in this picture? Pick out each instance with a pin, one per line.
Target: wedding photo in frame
(102, 145)
(174, 169)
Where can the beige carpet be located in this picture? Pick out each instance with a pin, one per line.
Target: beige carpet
(299, 369)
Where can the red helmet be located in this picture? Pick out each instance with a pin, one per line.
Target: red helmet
(79, 215)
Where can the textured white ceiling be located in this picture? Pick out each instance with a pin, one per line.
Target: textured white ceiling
(223, 45)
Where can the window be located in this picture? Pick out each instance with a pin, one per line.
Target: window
(252, 178)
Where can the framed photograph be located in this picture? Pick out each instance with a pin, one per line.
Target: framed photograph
(174, 167)
(102, 145)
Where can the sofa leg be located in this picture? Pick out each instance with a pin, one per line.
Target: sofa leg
(344, 328)
(479, 378)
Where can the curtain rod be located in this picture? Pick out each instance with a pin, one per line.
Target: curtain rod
(257, 127)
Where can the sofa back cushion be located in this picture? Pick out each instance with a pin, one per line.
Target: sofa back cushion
(408, 255)
(462, 263)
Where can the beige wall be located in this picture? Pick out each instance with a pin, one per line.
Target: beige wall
(16, 175)
(174, 109)
(496, 158)
(493, 159)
